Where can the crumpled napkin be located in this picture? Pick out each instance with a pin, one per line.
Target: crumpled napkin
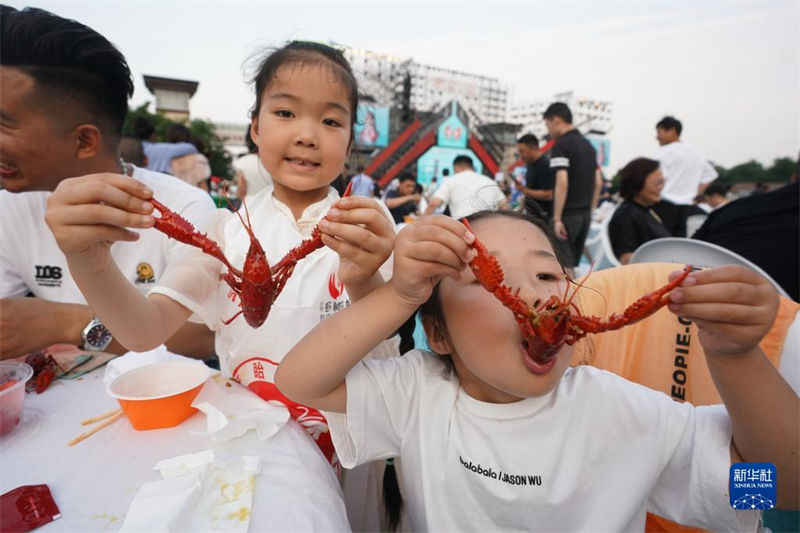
(199, 492)
(131, 360)
(231, 410)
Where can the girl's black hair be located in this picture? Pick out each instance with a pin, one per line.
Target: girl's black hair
(308, 53)
(74, 67)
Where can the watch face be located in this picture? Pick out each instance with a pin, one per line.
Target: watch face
(98, 336)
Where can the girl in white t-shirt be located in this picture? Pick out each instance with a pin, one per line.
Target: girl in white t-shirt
(489, 439)
(302, 123)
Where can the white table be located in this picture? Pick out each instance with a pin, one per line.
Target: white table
(95, 481)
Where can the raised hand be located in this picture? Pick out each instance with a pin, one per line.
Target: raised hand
(426, 251)
(732, 306)
(357, 229)
(88, 214)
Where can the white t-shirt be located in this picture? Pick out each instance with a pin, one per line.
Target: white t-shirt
(30, 260)
(468, 192)
(684, 169)
(312, 293)
(593, 455)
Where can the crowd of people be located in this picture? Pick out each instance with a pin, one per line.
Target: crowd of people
(469, 416)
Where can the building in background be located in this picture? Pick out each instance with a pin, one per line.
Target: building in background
(172, 96)
(590, 116)
(407, 86)
(401, 101)
(593, 118)
(232, 135)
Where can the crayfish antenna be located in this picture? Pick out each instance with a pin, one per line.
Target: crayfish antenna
(579, 286)
(247, 225)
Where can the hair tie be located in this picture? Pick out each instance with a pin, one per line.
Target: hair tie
(389, 462)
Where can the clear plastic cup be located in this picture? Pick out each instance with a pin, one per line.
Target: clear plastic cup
(12, 396)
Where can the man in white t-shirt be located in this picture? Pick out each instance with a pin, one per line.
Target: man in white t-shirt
(686, 172)
(467, 191)
(61, 116)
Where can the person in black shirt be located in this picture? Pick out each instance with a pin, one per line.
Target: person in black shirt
(577, 182)
(539, 180)
(765, 229)
(634, 222)
(403, 200)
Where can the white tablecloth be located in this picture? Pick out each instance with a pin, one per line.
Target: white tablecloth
(95, 481)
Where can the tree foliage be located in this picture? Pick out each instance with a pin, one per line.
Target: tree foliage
(209, 143)
(781, 171)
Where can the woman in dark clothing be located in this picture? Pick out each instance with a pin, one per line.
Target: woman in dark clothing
(634, 222)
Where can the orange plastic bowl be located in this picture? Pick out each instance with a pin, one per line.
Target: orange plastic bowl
(159, 395)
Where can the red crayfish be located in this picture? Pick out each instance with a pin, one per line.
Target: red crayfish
(45, 369)
(558, 320)
(257, 284)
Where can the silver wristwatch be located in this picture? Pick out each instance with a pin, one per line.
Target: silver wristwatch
(96, 336)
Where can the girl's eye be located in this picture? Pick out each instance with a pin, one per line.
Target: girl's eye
(331, 122)
(546, 276)
(283, 113)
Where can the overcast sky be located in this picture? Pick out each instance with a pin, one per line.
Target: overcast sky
(728, 71)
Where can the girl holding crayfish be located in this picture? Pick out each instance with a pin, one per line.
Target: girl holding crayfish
(302, 122)
(490, 439)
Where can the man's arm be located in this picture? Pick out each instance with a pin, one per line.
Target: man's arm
(391, 203)
(433, 205)
(559, 199)
(708, 174)
(538, 194)
(30, 324)
(598, 186)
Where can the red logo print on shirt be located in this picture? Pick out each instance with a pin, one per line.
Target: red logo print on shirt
(258, 375)
(335, 286)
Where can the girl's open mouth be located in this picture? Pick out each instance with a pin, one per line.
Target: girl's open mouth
(538, 365)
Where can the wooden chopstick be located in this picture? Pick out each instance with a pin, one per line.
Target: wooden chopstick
(110, 420)
(100, 417)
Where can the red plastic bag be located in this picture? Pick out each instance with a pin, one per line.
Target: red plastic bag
(26, 508)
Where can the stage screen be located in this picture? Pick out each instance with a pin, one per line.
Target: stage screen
(372, 125)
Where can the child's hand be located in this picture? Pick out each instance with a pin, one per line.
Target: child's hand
(732, 306)
(88, 214)
(426, 251)
(358, 230)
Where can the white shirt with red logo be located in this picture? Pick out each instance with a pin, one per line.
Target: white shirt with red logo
(30, 260)
(311, 294)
